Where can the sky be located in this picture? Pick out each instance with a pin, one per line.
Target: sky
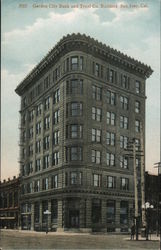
(29, 31)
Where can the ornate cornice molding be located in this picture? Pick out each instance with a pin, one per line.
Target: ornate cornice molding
(86, 44)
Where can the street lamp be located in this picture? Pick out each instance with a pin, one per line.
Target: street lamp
(47, 212)
(147, 207)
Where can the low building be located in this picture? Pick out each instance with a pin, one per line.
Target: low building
(9, 203)
(152, 191)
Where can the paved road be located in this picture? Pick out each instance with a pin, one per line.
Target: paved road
(11, 239)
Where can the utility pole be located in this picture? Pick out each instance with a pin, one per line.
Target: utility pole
(142, 180)
(133, 155)
(135, 188)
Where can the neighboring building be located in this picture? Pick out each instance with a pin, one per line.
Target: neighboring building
(9, 203)
(152, 195)
(80, 106)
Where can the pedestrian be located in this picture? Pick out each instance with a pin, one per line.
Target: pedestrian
(132, 231)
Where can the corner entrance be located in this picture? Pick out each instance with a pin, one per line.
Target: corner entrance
(74, 218)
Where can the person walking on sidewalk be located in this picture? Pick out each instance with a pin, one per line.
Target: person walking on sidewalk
(132, 231)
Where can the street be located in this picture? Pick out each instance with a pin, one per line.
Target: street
(14, 239)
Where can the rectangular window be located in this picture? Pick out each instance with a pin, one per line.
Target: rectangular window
(124, 212)
(111, 76)
(111, 182)
(96, 156)
(137, 126)
(124, 183)
(124, 162)
(31, 132)
(111, 97)
(111, 211)
(38, 165)
(45, 184)
(55, 158)
(47, 103)
(96, 135)
(137, 87)
(96, 180)
(54, 211)
(47, 122)
(38, 128)
(36, 212)
(138, 163)
(75, 178)
(46, 162)
(30, 150)
(124, 102)
(110, 138)
(137, 144)
(29, 187)
(31, 115)
(111, 118)
(38, 146)
(37, 186)
(123, 122)
(56, 138)
(75, 131)
(56, 96)
(137, 107)
(125, 82)
(81, 63)
(38, 109)
(76, 109)
(55, 181)
(96, 93)
(76, 153)
(46, 142)
(30, 167)
(97, 69)
(123, 141)
(57, 73)
(56, 117)
(75, 86)
(96, 114)
(74, 63)
(110, 159)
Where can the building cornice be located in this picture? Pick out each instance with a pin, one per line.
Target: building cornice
(89, 45)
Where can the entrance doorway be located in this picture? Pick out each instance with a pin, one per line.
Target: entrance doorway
(74, 218)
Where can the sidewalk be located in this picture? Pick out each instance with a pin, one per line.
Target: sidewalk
(152, 237)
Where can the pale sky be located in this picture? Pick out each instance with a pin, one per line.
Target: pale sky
(29, 33)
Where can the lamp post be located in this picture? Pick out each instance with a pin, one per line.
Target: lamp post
(47, 212)
(147, 207)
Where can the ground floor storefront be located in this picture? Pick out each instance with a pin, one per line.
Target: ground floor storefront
(76, 213)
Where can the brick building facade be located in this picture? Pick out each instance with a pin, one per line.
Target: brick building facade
(9, 203)
(80, 106)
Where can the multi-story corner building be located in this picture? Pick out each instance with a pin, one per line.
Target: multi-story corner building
(9, 203)
(79, 108)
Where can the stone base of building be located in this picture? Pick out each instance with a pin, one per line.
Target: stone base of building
(85, 230)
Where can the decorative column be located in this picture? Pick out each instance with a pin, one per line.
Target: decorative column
(49, 215)
(89, 215)
(40, 215)
(32, 216)
(103, 213)
(82, 214)
(117, 216)
(60, 216)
